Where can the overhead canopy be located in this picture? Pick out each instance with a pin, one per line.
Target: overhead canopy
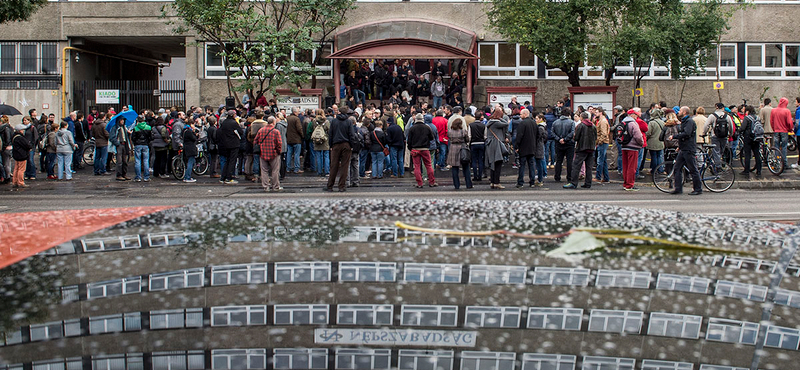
(406, 39)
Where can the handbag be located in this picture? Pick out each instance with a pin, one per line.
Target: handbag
(465, 155)
(385, 149)
(503, 146)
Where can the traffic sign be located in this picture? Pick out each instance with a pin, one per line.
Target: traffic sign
(719, 85)
(637, 92)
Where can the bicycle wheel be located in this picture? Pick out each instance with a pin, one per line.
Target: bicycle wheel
(200, 166)
(718, 178)
(88, 155)
(727, 155)
(178, 167)
(663, 177)
(792, 143)
(775, 161)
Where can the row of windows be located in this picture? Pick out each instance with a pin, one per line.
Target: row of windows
(354, 358)
(549, 318)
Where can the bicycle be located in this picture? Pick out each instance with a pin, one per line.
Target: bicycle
(201, 164)
(769, 155)
(715, 177)
(88, 152)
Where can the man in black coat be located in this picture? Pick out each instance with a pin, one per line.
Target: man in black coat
(229, 135)
(686, 153)
(341, 134)
(526, 141)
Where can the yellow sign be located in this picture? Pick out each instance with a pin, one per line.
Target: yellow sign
(637, 92)
(719, 85)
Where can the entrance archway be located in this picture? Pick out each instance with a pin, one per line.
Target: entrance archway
(405, 39)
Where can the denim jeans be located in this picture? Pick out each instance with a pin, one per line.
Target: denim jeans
(64, 165)
(467, 178)
(187, 175)
(396, 158)
(619, 156)
(442, 160)
(360, 96)
(377, 164)
(323, 161)
(478, 153)
(526, 162)
(100, 158)
(656, 159)
(602, 163)
(312, 160)
(256, 164)
(639, 163)
(541, 169)
(550, 152)
(781, 141)
(362, 163)
(141, 161)
(437, 102)
(30, 171)
(293, 157)
(50, 163)
(77, 155)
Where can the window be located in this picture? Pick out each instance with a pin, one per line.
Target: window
(720, 367)
(666, 365)
(115, 287)
(363, 358)
(772, 60)
(171, 238)
(72, 363)
(501, 60)
(12, 337)
(607, 363)
(215, 68)
(722, 58)
(539, 361)
(61, 249)
(428, 315)
(732, 331)
(179, 360)
(301, 314)
(367, 271)
(250, 273)
(180, 318)
(417, 359)
(787, 298)
(293, 272)
(112, 243)
(189, 278)
(613, 321)
(561, 276)
(128, 361)
(780, 337)
(493, 317)
(472, 360)
(300, 358)
(50, 330)
(675, 325)
(225, 359)
(746, 263)
(555, 318)
(365, 314)
(623, 279)
(72, 327)
(28, 58)
(70, 293)
(432, 272)
(239, 315)
(726, 288)
(681, 283)
(484, 274)
(115, 323)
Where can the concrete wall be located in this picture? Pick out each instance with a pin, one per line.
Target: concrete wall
(30, 99)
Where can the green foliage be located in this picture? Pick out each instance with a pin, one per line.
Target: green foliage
(18, 10)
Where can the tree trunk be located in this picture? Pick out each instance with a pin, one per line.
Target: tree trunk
(610, 75)
(573, 76)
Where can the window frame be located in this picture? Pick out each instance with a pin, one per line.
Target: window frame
(505, 312)
(733, 286)
(783, 69)
(311, 309)
(497, 274)
(292, 352)
(720, 367)
(782, 333)
(184, 274)
(553, 273)
(419, 310)
(294, 266)
(497, 358)
(248, 353)
(673, 318)
(251, 270)
(445, 270)
(124, 320)
(358, 266)
(39, 58)
(248, 310)
(417, 354)
(71, 363)
(374, 309)
(618, 362)
(648, 364)
(672, 282)
(187, 356)
(130, 361)
(124, 287)
(101, 243)
(606, 315)
(51, 330)
(188, 315)
(326, 70)
(789, 298)
(617, 279)
(534, 361)
(353, 353)
(516, 69)
(719, 324)
(154, 240)
(547, 312)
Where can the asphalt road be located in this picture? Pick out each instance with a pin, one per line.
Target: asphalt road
(89, 191)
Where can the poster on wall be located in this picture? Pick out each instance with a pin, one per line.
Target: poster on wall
(106, 96)
(304, 102)
(505, 98)
(604, 100)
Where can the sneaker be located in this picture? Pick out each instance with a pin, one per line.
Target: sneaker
(189, 180)
(795, 166)
(520, 185)
(570, 186)
(120, 178)
(137, 179)
(586, 186)
(231, 182)
(146, 180)
(631, 189)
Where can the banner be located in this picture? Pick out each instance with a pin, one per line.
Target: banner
(106, 97)
(396, 337)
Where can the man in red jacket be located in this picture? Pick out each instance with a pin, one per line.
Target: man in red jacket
(781, 119)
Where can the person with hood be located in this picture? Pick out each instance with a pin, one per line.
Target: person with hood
(526, 142)
(603, 140)
(341, 136)
(643, 128)
(719, 135)
(632, 141)
(585, 143)
(671, 128)
(160, 139)
(142, 136)
(563, 134)
(422, 138)
(228, 137)
(100, 136)
(441, 127)
(496, 147)
(65, 146)
(322, 149)
(120, 137)
(21, 146)
(6, 136)
(514, 120)
(686, 154)
(655, 145)
(178, 124)
(750, 143)
(781, 120)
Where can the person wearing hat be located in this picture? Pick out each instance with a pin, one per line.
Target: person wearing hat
(632, 141)
(21, 146)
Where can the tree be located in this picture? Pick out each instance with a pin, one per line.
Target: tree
(256, 39)
(18, 10)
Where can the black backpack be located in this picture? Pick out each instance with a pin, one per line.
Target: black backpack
(721, 131)
(622, 133)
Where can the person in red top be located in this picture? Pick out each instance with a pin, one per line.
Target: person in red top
(781, 119)
(441, 126)
(269, 141)
(637, 113)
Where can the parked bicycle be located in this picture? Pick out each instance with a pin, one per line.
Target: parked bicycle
(771, 156)
(201, 164)
(716, 177)
(88, 152)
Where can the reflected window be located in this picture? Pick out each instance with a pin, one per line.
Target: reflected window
(432, 272)
(171, 238)
(733, 289)
(787, 298)
(492, 317)
(367, 271)
(413, 315)
(720, 367)
(623, 279)
(50, 330)
(128, 361)
(72, 363)
(732, 331)
(365, 314)
(115, 323)
(540, 361)
(682, 283)
(114, 287)
(293, 272)
(473, 360)
(111, 243)
(190, 278)
(363, 358)
(555, 318)
(69, 293)
(300, 358)
(11, 337)
(487, 274)
(301, 314)
(607, 363)
(180, 318)
(179, 360)
(675, 325)
(236, 359)
(415, 359)
(666, 365)
(239, 315)
(248, 273)
(781, 337)
(561, 276)
(616, 321)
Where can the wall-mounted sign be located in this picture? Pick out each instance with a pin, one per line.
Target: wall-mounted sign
(45, 106)
(304, 102)
(503, 94)
(396, 337)
(106, 96)
(719, 85)
(587, 100)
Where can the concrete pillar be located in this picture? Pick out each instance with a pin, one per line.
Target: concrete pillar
(194, 70)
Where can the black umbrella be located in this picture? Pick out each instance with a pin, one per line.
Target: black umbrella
(9, 110)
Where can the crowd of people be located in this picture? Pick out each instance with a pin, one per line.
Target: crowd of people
(368, 141)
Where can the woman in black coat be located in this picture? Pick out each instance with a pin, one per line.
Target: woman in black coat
(189, 150)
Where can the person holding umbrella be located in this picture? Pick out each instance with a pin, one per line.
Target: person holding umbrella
(120, 137)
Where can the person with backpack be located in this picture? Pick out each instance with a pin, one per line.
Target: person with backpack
(686, 153)
(20, 149)
(630, 138)
(161, 140)
(721, 125)
(752, 131)
(320, 139)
